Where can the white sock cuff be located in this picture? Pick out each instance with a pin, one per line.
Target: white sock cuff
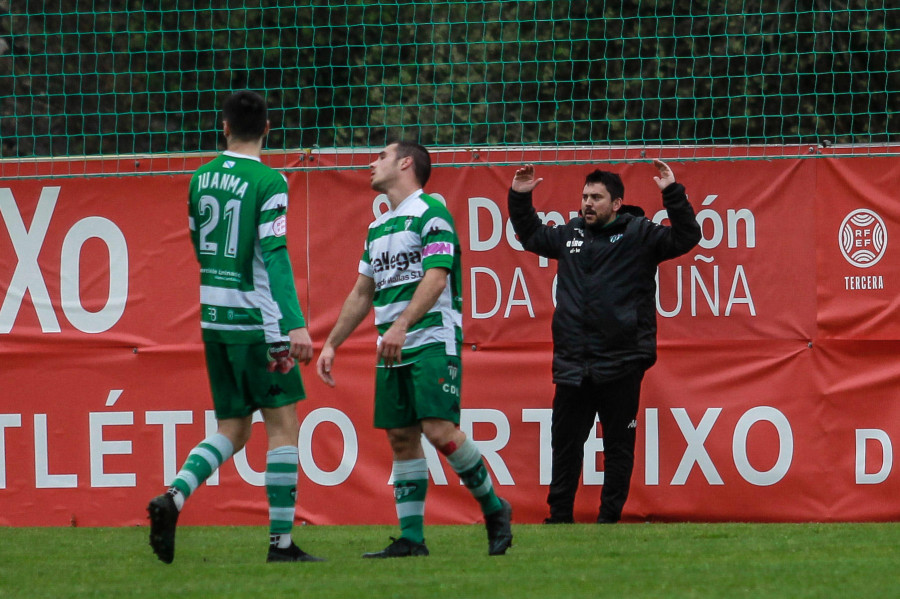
(410, 469)
(286, 454)
(465, 457)
(222, 444)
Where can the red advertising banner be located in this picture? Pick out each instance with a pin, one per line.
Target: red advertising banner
(773, 398)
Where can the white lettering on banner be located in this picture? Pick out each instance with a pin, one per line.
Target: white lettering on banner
(168, 421)
(734, 218)
(27, 244)
(696, 453)
(491, 447)
(651, 447)
(475, 270)
(739, 293)
(6, 421)
(863, 435)
(477, 243)
(28, 277)
(864, 283)
(518, 283)
(543, 417)
(592, 447)
(70, 275)
(483, 243)
(785, 446)
(42, 477)
(100, 448)
(351, 447)
(486, 231)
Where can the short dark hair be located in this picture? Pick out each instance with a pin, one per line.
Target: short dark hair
(247, 115)
(420, 156)
(612, 181)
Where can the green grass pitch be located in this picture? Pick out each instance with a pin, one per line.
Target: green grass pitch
(562, 561)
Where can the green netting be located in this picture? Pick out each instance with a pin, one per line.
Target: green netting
(100, 77)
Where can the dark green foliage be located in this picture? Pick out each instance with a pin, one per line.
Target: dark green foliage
(116, 76)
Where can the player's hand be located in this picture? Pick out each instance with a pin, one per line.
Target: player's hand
(524, 181)
(280, 359)
(666, 176)
(301, 345)
(391, 345)
(324, 364)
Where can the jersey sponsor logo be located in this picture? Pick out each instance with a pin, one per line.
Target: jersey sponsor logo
(400, 277)
(442, 248)
(399, 261)
(279, 226)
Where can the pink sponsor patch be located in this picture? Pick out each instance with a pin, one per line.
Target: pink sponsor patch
(441, 247)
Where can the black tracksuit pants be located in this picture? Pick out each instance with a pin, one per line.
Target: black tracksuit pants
(574, 410)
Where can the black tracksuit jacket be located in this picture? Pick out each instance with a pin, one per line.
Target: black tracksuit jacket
(604, 324)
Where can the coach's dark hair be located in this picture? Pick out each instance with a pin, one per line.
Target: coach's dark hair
(247, 115)
(612, 181)
(420, 156)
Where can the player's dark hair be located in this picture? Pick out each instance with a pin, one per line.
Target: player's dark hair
(420, 156)
(247, 115)
(612, 181)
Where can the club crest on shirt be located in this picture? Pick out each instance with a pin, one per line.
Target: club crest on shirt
(279, 226)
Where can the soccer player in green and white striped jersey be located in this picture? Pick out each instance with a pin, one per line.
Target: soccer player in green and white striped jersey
(410, 272)
(252, 326)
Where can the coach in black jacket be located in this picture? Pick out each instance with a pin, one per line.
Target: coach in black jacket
(604, 325)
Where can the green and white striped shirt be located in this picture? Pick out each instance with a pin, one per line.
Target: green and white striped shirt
(401, 245)
(237, 214)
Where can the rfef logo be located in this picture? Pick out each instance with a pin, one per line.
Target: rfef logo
(863, 238)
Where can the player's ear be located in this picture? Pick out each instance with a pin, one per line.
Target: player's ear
(226, 128)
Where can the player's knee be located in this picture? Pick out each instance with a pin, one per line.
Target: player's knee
(404, 442)
(444, 436)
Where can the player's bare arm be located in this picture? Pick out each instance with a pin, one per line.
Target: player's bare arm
(354, 310)
(427, 293)
(524, 181)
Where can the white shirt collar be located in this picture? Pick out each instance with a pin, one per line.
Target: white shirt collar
(236, 155)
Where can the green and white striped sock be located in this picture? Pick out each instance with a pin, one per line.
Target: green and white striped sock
(203, 460)
(410, 487)
(281, 490)
(467, 462)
